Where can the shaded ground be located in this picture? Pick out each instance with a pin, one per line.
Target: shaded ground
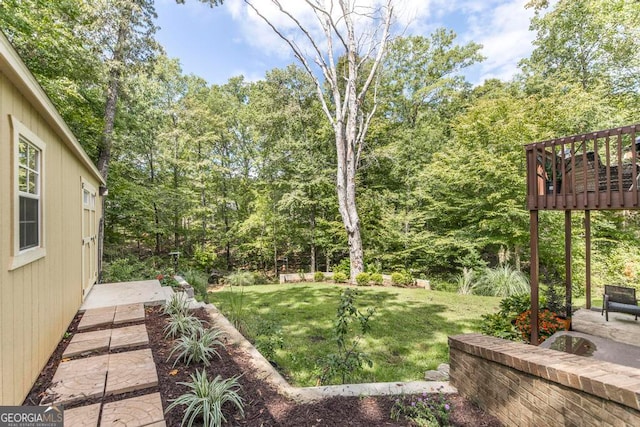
(263, 406)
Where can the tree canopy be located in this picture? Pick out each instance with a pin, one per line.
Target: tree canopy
(243, 174)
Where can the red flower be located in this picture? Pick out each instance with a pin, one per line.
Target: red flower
(548, 324)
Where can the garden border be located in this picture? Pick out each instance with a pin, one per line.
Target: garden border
(265, 371)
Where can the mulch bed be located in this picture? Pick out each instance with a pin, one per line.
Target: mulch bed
(262, 404)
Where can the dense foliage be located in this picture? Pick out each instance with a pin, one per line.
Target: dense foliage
(241, 175)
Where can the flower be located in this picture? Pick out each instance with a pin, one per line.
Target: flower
(548, 324)
(446, 406)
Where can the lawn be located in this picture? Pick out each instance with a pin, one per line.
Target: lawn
(408, 331)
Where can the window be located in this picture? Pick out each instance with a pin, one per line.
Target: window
(29, 167)
(28, 172)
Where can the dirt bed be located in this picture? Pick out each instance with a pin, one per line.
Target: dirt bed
(263, 405)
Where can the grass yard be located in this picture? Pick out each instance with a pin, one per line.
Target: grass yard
(408, 334)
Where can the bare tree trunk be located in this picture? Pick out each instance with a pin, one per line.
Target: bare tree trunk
(344, 103)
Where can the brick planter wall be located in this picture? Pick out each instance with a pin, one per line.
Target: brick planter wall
(524, 385)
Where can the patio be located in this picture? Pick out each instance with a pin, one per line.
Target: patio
(621, 327)
(616, 341)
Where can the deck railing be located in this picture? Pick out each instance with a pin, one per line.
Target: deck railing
(598, 170)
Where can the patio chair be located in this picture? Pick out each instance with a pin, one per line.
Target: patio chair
(619, 299)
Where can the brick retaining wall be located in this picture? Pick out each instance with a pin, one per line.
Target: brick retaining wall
(524, 385)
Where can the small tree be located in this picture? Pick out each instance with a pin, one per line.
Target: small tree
(348, 359)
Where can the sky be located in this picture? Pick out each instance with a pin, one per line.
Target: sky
(227, 41)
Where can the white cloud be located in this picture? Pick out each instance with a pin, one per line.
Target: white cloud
(501, 26)
(504, 33)
(261, 36)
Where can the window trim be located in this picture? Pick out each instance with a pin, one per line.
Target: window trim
(19, 257)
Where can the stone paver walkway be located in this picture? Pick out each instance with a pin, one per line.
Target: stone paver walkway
(135, 412)
(129, 336)
(77, 380)
(97, 317)
(128, 313)
(90, 377)
(85, 343)
(82, 416)
(117, 315)
(130, 371)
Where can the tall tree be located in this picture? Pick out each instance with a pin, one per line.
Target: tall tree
(359, 34)
(124, 29)
(52, 39)
(593, 42)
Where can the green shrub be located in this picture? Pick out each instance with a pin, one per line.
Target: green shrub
(502, 281)
(204, 257)
(424, 411)
(512, 306)
(555, 300)
(199, 346)
(401, 279)
(318, 276)
(340, 277)
(503, 323)
(125, 270)
(168, 280)
(198, 281)
(268, 338)
(344, 267)
(499, 326)
(241, 278)
(205, 400)
(444, 284)
(363, 279)
(181, 324)
(377, 279)
(260, 278)
(176, 304)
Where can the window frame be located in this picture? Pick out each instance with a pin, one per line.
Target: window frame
(26, 256)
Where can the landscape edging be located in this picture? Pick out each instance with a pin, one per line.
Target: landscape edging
(265, 371)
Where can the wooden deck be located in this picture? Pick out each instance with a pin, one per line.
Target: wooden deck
(598, 170)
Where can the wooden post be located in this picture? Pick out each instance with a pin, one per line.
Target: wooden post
(567, 262)
(587, 235)
(533, 226)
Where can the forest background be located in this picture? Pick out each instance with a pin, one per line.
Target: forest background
(242, 175)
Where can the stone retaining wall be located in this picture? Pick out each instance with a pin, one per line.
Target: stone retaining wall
(524, 385)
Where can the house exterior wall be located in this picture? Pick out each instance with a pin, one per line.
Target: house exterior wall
(37, 300)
